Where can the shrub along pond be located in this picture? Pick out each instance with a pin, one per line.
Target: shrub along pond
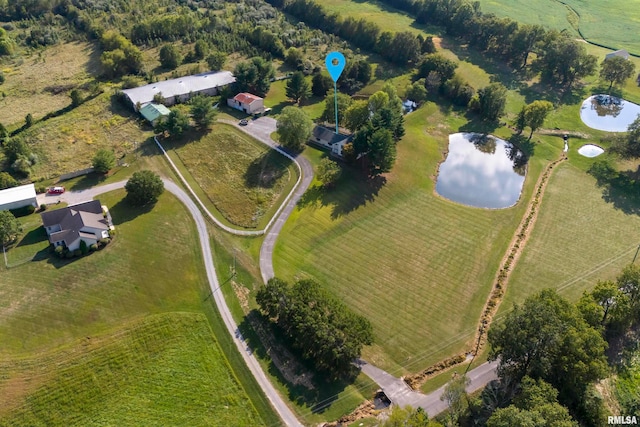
(608, 113)
(481, 171)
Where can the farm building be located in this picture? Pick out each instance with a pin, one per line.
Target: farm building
(179, 90)
(18, 197)
(82, 222)
(621, 53)
(152, 112)
(328, 138)
(250, 104)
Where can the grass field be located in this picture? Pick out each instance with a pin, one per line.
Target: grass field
(612, 23)
(417, 266)
(241, 177)
(69, 142)
(160, 370)
(31, 80)
(579, 238)
(49, 302)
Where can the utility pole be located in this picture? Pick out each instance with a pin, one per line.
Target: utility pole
(636, 255)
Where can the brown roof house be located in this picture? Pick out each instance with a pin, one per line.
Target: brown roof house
(82, 222)
(250, 104)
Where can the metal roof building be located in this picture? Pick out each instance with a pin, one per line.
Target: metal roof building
(180, 89)
(18, 197)
(153, 112)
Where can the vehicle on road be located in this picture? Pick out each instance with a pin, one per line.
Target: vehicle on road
(55, 190)
(244, 122)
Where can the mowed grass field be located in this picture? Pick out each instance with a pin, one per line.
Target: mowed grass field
(244, 179)
(166, 369)
(613, 23)
(417, 266)
(30, 80)
(579, 238)
(49, 302)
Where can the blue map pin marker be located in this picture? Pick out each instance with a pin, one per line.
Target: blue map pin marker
(335, 69)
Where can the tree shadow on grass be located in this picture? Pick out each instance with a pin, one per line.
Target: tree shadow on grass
(621, 189)
(320, 396)
(88, 181)
(350, 192)
(477, 124)
(266, 170)
(123, 211)
(34, 236)
(557, 95)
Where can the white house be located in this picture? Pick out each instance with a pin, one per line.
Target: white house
(621, 53)
(249, 103)
(18, 197)
(328, 138)
(82, 222)
(179, 90)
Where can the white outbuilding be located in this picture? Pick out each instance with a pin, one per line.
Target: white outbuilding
(18, 197)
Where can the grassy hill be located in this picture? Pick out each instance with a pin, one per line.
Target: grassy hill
(160, 370)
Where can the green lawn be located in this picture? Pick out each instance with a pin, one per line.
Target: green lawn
(579, 238)
(159, 370)
(242, 178)
(612, 23)
(417, 266)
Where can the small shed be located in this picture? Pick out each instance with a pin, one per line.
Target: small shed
(153, 112)
(621, 53)
(247, 102)
(18, 197)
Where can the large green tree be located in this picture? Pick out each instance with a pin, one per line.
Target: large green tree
(7, 181)
(294, 128)
(547, 338)
(104, 160)
(216, 60)
(254, 76)
(328, 172)
(175, 124)
(202, 110)
(320, 84)
(143, 188)
(344, 101)
(378, 146)
(437, 63)
(357, 115)
(170, 57)
(616, 70)
(10, 228)
(298, 88)
(316, 324)
(563, 61)
(492, 100)
(533, 115)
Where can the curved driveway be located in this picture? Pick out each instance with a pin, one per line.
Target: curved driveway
(73, 197)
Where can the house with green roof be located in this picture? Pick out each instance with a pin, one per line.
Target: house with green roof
(152, 112)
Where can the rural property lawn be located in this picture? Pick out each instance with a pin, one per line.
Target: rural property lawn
(417, 266)
(579, 238)
(166, 369)
(244, 179)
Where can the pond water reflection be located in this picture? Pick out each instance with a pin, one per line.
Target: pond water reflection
(608, 113)
(481, 171)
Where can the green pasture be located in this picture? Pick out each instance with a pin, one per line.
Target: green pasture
(48, 302)
(579, 238)
(613, 23)
(166, 369)
(277, 99)
(417, 266)
(244, 179)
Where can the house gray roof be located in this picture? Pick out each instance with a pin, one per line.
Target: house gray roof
(17, 194)
(179, 86)
(72, 219)
(621, 53)
(328, 136)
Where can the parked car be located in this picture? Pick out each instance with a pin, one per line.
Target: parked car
(55, 190)
(244, 122)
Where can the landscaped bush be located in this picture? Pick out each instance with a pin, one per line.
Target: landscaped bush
(83, 247)
(105, 241)
(43, 207)
(59, 250)
(68, 255)
(93, 247)
(77, 252)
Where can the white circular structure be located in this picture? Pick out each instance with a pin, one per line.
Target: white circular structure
(590, 150)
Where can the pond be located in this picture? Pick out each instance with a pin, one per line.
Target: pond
(608, 113)
(481, 171)
(590, 150)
